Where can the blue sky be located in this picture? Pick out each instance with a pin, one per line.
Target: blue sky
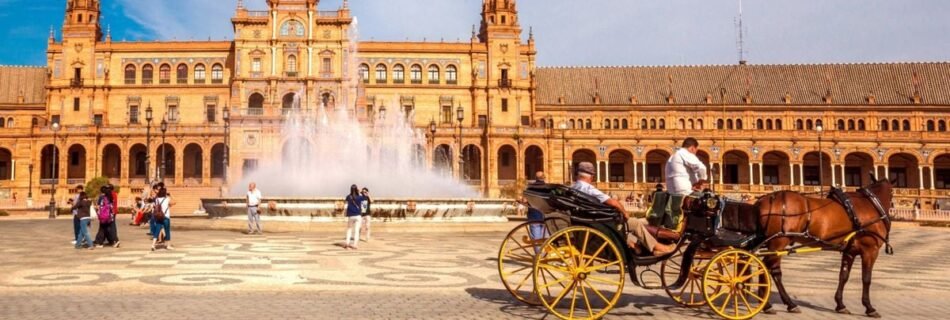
(568, 32)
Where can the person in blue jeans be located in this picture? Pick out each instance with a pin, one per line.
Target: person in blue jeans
(163, 227)
(81, 209)
(72, 203)
(353, 218)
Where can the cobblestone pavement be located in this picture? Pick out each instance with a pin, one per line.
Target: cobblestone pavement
(226, 275)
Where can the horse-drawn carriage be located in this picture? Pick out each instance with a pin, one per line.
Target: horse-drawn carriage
(575, 262)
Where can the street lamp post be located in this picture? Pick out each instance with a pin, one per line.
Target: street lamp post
(821, 165)
(53, 166)
(226, 116)
(29, 193)
(460, 115)
(563, 127)
(161, 172)
(148, 142)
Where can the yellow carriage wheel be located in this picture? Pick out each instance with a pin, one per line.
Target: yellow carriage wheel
(736, 284)
(688, 292)
(579, 274)
(516, 259)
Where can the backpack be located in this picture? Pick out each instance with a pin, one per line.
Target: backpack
(105, 210)
(157, 213)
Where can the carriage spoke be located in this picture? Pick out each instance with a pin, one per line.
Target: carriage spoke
(725, 303)
(602, 266)
(718, 294)
(601, 280)
(516, 271)
(746, 301)
(753, 275)
(601, 295)
(523, 281)
(599, 250)
(573, 302)
(561, 296)
(555, 268)
(558, 281)
(590, 310)
(735, 304)
(757, 297)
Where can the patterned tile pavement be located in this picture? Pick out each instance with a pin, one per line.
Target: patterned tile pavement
(298, 275)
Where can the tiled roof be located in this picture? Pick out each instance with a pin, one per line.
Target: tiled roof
(889, 83)
(30, 82)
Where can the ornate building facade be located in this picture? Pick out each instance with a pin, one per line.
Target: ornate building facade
(492, 117)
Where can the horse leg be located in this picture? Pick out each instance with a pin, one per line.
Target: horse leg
(868, 257)
(775, 268)
(847, 260)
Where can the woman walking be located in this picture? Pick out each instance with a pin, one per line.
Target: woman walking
(366, 214)
(81, 208)
(160, 224)
(106, 214)
(353, 218)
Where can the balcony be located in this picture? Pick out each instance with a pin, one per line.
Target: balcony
(504, 83)
(182, 80)
(76, 82)
(291, 74)
(258, 14)
(75, 181)
(49, 181)
(251, 112)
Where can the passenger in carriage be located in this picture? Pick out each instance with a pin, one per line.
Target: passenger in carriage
(638, 235)
(683, 172)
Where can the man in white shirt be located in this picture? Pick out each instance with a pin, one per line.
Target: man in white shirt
(683, 172)
(638, 233)
(253, 212)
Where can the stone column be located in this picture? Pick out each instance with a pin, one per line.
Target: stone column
(920, 177)
(834, 175)
(791, 174)
(606, 171)
(751, 176)
(179, 166)
(636, 179)
(761, 174)
(206, 168)
(801, 174)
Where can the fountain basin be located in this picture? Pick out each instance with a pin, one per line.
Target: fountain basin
(332, 209)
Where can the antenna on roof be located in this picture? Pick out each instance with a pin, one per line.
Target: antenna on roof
(740, 43)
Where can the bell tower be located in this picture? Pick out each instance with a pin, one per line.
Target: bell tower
(499, 18)
(82, 19)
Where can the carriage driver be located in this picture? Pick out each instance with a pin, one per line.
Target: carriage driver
(638, 233)
(684, 174)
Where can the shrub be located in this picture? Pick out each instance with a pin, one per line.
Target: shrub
(4, 213)
(93, 186)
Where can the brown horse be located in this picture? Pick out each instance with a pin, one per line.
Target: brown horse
(804, 220)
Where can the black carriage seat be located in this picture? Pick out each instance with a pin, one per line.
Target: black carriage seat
(556, 197)
(738, 225)
(729, 238)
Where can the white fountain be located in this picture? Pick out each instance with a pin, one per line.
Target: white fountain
(328, 148)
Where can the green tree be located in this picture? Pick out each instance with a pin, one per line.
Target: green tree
(94, 185)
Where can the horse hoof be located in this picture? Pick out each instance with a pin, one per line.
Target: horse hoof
(874, 314)
(794, 310)
(843, 311)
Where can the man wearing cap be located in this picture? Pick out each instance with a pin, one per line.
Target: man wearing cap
(684, 174)
(638, 234)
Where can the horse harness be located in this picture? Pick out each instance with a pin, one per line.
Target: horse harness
(842, 198)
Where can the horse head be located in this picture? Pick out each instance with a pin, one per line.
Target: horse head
(883, 189)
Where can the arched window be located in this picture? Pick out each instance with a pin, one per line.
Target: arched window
(720, 124)
(415, 74)
(942, 126)
(381, 73)
(699, 124)
(692, 124)
(662, 124)
(451, 74)
(809, 125)
(148, 74)
(9, 122)
(292, 64)
(884, 125)
(182, 74)
(861, 126)
(165, 74)
(652, 123)
(768, 124)
(200, 73)
(930, 126)
(616, 124)
(729, 124)
(433, 74)
(624, 124)
(759, 125)
(606, 123)
(130, 74)
(643, 123)
(818, 123)
(778, 124)
(3, 123)
(292, 28)
(738, 124)
(543, 123)
(255, 104)
(681, 123)
(906, 125)
(851, 126)
(399, 74)
(895, 125)
(841, 125)
(217, 73)
(573, 124)
(798, 125)
(364, 73)
(589, 124)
